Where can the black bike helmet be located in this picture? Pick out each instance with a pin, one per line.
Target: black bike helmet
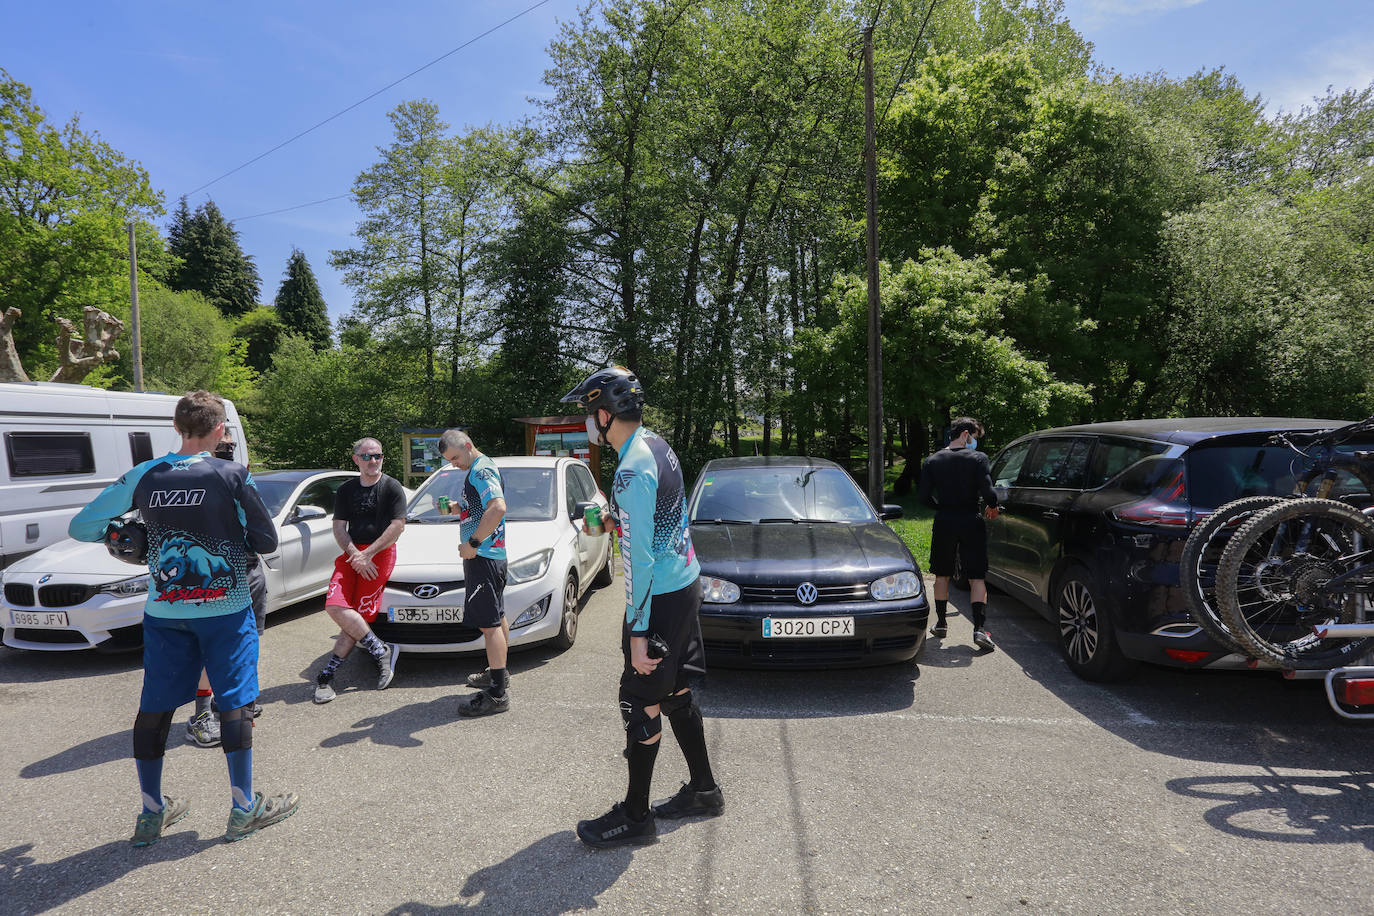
(615, 389)
(128, 541)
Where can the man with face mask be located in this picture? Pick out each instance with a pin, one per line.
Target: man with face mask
(952, 480)
(661, 637)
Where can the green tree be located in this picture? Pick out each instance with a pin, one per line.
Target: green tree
(299, 304)
(66, 197)
(260, 332)
(210, 261)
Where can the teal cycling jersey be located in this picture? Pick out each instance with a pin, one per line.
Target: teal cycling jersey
(650, 506)
(480, 487)
(204, 518)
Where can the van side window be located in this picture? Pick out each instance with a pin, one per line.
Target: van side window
(1115, 455)
(1057, 464)
(141, 447)
(49, 454)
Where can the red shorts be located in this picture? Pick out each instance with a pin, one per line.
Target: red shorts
(348, 589)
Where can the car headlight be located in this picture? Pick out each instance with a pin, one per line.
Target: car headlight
(530, 567)
(135, 586)
(896, 586)
(718, 591)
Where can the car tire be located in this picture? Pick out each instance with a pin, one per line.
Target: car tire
(567, 626)
(1087, 633)
(959, 580)
(606, 575)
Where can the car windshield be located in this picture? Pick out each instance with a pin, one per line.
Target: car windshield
(529, 494)
(765, 495)
(275, 491)
(1217, 475)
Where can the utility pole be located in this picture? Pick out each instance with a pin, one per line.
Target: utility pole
(875, 325)
(133, 310)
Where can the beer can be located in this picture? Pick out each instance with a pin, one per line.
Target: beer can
(444, 504)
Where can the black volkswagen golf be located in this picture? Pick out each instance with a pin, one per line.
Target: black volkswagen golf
(798, 570)
(1093, 521)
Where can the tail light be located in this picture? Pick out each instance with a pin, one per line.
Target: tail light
(1187, 656)
(1165, 507)
(1357, 691)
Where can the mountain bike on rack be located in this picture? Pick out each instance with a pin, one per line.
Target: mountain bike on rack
(1290, 580)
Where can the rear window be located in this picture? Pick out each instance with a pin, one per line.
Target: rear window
(49, 454)
(1218, 475)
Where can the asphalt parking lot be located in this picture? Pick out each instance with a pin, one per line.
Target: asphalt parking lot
(966, 783)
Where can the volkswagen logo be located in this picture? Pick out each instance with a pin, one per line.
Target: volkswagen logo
(425, 591)
(806, 593)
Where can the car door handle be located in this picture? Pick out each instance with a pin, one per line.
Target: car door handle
(1050, 513)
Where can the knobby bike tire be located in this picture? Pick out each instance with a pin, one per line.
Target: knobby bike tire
(1198, 564)
(1264, 587)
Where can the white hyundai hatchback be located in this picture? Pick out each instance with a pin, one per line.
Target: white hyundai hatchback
(74, 595)
(552, 560)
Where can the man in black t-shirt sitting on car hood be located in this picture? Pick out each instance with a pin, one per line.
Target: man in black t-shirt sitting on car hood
(369, 515)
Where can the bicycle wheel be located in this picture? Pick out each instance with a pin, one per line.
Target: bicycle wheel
(1269, 584)
(1197, 566)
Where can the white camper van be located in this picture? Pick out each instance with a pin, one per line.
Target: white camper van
(63, 444)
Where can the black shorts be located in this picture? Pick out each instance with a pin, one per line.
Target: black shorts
(484, 592)
(964, 533)
(673, 618)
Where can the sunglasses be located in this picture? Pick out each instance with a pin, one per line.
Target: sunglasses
(370, 456)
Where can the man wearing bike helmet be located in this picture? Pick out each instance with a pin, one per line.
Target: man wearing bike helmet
(661, 637)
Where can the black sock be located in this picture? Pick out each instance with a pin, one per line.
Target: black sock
(500, 680)
(327, 672)
(374, 646)
(980, 614)
(691, 737)
(203, 702)
(642, 758)
(940, 606)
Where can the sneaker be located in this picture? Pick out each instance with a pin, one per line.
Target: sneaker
(617, 828)
(257, 709)
(482, 703)
(689, 802)
(939, 631)
(203, 729)
(266, 811)
(150, 824)
(324, 691)
(386, 666)
(983, 640)
(481, 680)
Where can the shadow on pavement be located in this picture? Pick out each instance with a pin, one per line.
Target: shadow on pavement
(734, 693)
(32, 887)
(1288, 809)
(556, 874)
(30, 666)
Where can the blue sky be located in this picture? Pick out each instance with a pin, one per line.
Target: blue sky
(192, 90)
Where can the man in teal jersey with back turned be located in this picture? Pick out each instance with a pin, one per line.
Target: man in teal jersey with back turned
(204, 517)
(661, 637)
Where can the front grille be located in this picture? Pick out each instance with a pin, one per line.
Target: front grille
(894, 643)
(34, 634)
(424, 634)
(787, 594)
(807, 651)
(19, 594)
(64, 595)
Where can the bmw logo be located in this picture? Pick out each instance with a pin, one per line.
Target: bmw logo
(806, 593)
(425, 591)
(44, 579)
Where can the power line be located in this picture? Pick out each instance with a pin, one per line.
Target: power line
(325, 200)
(915, 45)
(368, 98)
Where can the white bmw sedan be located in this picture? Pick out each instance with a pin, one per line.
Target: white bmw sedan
(74, 595)
(551, 559)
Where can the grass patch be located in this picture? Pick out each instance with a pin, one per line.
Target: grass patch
(916, 521)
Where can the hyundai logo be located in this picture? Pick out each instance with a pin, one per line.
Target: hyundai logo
(425, 591)
(806, 593)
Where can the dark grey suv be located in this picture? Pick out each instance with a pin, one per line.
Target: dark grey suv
(1094, 518)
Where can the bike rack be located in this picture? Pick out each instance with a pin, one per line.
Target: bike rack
(1359, 671)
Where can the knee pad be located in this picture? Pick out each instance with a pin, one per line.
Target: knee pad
(678, 702)
(150, 734)
(639, 726)
(236, 729)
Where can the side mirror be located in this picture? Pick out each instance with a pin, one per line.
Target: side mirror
(580, 509)
(306, 513)
(891, 511)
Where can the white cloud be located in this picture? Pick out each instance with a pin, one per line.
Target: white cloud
(1343, 63)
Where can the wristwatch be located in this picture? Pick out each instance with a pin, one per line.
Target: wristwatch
(474, 543)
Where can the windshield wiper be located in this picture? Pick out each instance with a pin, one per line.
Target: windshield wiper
(721, 521)
(794, 520)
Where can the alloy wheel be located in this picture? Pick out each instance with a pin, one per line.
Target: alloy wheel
(1078, 622)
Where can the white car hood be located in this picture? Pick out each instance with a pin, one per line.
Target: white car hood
(80, 562)
(431, 551)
